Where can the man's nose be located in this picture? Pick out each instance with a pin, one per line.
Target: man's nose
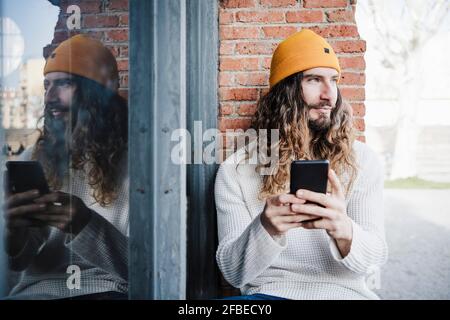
(325, 93)
(50, 95)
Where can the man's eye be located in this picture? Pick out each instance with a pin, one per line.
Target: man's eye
(313, 79)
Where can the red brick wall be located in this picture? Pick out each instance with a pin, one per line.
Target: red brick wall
(250, 30)
(105, 20)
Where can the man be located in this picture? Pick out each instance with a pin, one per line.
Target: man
(73, 242)
(267, 246)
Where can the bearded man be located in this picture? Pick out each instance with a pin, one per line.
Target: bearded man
(307, 245)
(73, 242)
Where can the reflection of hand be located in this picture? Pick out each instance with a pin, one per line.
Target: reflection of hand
(19, 212)
(277, 217)
(333, 214)
(64, 211)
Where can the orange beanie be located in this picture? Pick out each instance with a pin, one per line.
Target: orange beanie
(85, 57)
(301, 51)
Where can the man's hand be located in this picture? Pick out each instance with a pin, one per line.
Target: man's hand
(19, 213)
(20, 210)
(277, 217)
(333, 215)
(64, 211)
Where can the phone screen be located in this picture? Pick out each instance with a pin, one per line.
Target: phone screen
(22, 176)
(309, 175)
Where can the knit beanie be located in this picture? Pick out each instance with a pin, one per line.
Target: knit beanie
(84, 56)
(301, 51)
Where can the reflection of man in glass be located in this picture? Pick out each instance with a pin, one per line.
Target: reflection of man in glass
(83, 225)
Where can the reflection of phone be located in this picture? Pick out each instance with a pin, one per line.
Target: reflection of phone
(22, 176)
(309, 175)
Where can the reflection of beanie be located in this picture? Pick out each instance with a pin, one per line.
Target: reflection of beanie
(301, 51)
(85, 57)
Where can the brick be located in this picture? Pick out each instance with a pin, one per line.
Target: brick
(226, 79)
(350, 78)
(62, 22)
(234, 123)
(96, 21)
(355, 63)
(252, 79)
(123, 20)
(340, 16)
(118, 5)
(60, 36)
(256, 48)
(226, 109)
(85, 6)
(238, 94)
(237, 3)
(124, 51)
(98, 35)
(226, 48)
(266, 63)
(278, 3)
(114, 50)
(359, 124)
(324, 3)
(349, 46)
(122, 65)
(233, 33)
(116, 36)
(257, 16)
(278, 32)
(238, 64)
(124, 80)
(337, 31)
(226, 17)
(359, 109)
(304, 16)
(247, 109)
(227, 141)
(352, 94)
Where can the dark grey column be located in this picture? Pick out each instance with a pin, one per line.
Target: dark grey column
(157, 186)
(202, 66)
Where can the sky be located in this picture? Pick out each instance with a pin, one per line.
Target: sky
(36, 20)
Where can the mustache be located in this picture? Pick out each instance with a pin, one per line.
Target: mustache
(55, 107)
(320, 105)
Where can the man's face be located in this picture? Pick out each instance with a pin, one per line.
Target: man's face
(319, 87)
(59, 95)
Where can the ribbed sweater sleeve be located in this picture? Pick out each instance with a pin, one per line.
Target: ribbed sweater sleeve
(365, 208)
(245, 248)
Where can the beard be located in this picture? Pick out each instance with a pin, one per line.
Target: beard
(323, 123)
(57, 140)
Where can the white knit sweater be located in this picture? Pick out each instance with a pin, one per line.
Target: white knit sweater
(303, 264)
(100, 250)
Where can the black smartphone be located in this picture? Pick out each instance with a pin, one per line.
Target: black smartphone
(22, 176)
(309, 175)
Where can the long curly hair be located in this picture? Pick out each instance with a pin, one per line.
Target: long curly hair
(95, 140)
(283, 108)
